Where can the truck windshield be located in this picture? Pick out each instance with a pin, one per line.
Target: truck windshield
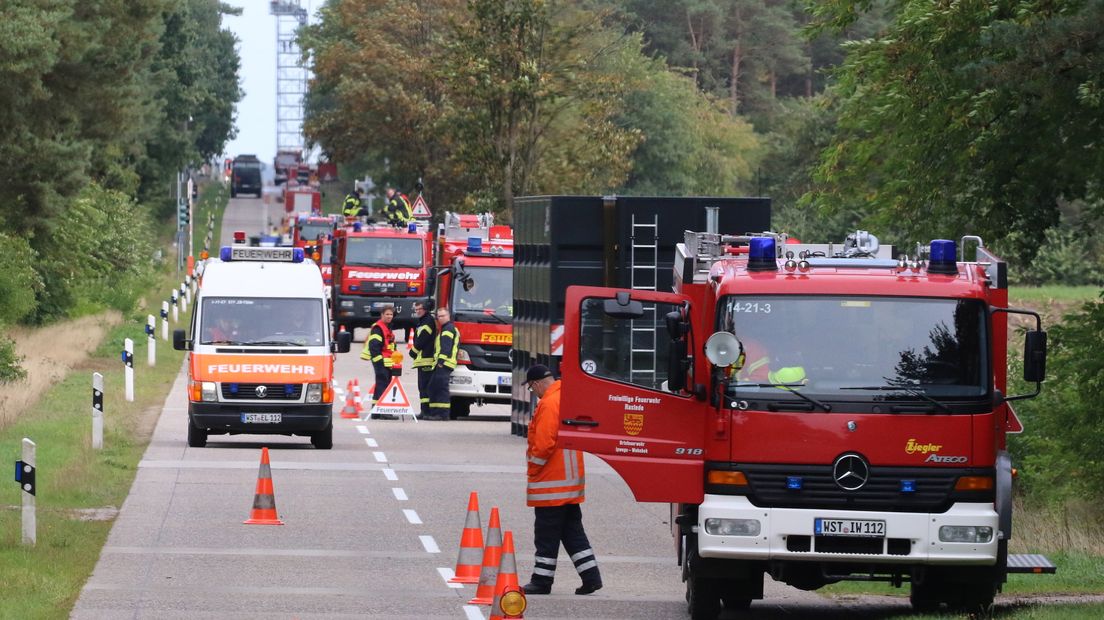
(261, 321)
(310, 232)
(326, 253)
(383, 252)
(491, 298)
(856, 349)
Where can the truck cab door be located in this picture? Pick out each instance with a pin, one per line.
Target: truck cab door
(614, 399)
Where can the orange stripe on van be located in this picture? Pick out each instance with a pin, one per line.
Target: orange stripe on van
(262, 368)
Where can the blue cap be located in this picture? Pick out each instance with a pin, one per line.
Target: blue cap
(761, 254)
(943, 257)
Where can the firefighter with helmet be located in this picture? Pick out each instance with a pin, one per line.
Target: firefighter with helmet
(352, 205)
(398, 210)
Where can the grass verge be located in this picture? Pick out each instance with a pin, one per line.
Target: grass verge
(44, 581)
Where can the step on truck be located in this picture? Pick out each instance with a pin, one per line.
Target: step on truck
(376, 266)
(476, 284)
(261, 359)
(815, 412)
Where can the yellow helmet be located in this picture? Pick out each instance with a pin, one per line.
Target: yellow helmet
(789, 374)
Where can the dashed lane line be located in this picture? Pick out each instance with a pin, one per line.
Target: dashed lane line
(380, 457)
(390, 474)
(399, 494)
(363, 430)
(412, 516)
(473, 612)
(447, 574)
(371, 442)
(429, 544)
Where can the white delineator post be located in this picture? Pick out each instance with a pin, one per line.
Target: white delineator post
(97, 411)
(183, 297)
(128, 372)
(151, 339)
(175, 309)
(30, 535)
(164, 320)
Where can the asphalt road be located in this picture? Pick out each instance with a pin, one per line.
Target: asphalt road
(371, 527)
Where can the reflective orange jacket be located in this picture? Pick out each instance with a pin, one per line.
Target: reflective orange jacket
(556, 476)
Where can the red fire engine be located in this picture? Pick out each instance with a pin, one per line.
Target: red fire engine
(814, 412)
(477, 287)
(308, 228)
(376, 266)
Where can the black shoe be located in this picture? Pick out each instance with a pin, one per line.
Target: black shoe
(589, 588)
(536, 588)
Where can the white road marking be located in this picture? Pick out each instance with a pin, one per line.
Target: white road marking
(430, 544)
(390, 474)
(412, 516)
(399, 494)
(363, 430)
(473, 612)
(371, 442)
(446, 574)
(380, 457)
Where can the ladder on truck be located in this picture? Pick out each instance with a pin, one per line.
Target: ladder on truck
(644, 276)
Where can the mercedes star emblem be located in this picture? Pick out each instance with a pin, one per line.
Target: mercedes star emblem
(261, 391)
(850, 472)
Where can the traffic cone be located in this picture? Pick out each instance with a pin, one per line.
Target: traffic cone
(471, 545)
(264, 502)
(356, 399)
(349, 411)
(492, 554)
(506, 586)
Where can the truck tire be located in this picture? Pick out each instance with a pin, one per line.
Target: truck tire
(323, 439)
(703, 598)
(197, 437)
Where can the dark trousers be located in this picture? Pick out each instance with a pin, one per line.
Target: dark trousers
(383, 377)
(439, 393)
(562, 524)
(425, 376)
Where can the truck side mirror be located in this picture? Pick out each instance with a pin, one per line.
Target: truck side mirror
(343, 343)
(1035, 354)
(180, 343)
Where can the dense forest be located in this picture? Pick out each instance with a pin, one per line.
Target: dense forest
(916, 119)
(103, 103)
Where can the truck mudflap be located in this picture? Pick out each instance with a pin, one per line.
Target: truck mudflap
(1030, 563)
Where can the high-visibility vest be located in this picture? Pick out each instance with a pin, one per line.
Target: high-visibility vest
(425, 337)
(380, 344)
(399, 209)
(352, 206)
(556, 476)
(446, 346)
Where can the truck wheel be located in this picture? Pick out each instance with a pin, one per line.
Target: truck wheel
(197, 437)
(323, 440)
(927, 595)
(703, 599)
(459, 408)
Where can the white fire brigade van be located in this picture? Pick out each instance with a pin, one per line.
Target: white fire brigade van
(261, 358)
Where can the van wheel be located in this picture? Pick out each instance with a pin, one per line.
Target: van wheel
(323, 440)
(197, 437)
(460, 408)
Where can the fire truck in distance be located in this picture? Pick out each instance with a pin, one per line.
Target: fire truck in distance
(376, 266)
(309, 228)
(814, 412)
(476, 284)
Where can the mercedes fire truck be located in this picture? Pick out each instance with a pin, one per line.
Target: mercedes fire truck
(815, 412)
(476, 284)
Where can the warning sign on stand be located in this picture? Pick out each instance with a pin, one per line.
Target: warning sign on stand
(393, 401)
(421, 209)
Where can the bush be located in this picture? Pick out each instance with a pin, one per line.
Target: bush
(18, 280)
(10, 370)
(1059, 452)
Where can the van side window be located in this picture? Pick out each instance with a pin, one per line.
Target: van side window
(626, 350)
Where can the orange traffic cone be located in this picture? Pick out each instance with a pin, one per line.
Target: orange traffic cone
(492, 554)
(471, 545)
(264, 502)
(356, 398)
(349, 411)
(509, 599)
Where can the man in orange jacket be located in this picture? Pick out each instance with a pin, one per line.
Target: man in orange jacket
(557, 486)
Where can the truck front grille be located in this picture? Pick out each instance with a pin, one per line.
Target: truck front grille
(272, 391)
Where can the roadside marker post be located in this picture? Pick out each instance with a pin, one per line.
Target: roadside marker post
(97, 411)
(183, 297)
(165, 321)
(151, 339)
(25, 476)
(128, 372)
(175, 309)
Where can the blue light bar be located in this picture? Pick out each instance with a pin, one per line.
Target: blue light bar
(943, 257)
(794, 483)
(762, 255)
(233, 388)
(475, 245)
(412, 227)
(297, 255)
(356, 226)
(224, 253)
(908, 486)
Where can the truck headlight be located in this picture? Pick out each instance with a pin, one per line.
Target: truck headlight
(314, 392)
(732, 527)
(965, 534)
(462, 356)
(209, 391)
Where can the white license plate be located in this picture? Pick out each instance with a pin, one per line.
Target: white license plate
(505, 380)
(849, 527)
(262, 418)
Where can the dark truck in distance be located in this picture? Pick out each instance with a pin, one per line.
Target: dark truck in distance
(245, 176)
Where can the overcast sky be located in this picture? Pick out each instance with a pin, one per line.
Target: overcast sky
(256, 113)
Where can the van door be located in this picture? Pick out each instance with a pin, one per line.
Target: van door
(614, 400)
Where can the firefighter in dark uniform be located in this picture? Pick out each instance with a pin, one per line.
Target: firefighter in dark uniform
(446, 347)
(352, 204)
(398, 209)
(378, 349)
(423, 351)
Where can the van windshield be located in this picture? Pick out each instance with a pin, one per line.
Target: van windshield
(261, 321)
(384, 252)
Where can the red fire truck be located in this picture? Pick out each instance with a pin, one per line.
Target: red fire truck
(477, 287)
(814, 412)
(308, 228)
(376, 266)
